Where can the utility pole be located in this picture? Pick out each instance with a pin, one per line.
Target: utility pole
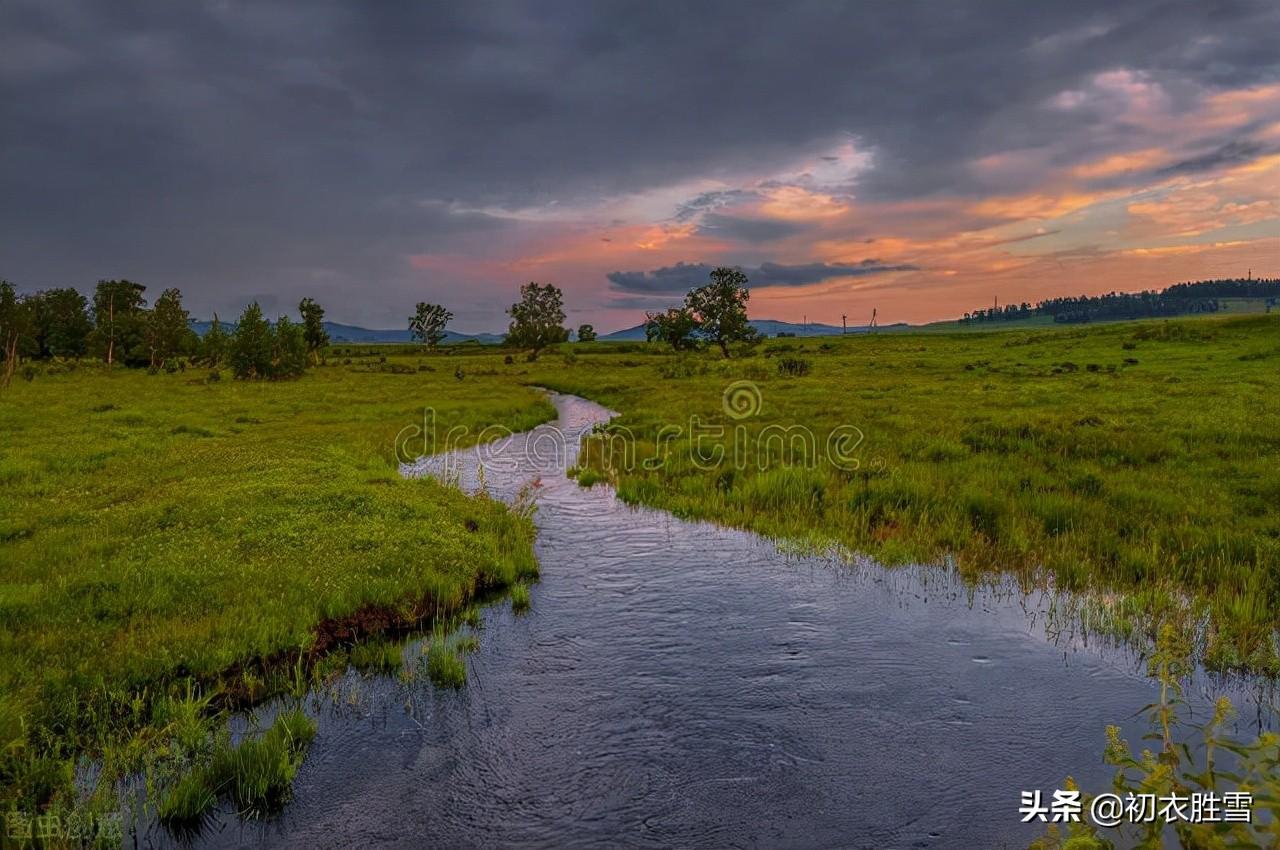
(844, 325)
(871, 328)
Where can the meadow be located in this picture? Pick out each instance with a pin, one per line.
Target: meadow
(174, 545)
(1134, 464)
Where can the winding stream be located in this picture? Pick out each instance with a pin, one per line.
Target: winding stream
(681, 684)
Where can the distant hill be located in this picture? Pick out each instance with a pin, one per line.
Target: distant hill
(339, 333)
(768, 327)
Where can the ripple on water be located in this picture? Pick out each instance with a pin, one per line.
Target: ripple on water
(678, 684)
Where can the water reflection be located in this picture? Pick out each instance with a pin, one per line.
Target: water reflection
(680, 684)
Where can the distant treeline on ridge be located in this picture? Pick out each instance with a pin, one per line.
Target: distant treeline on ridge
(1177, 300)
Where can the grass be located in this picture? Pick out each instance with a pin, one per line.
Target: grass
(172, 547)
(164, 532)
(1134, 463)
(256, 775)
(445, 665)
(519, 598)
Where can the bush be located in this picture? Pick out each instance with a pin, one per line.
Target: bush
(214, 377)
(793, 367)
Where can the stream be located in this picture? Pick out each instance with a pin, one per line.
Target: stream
(681, 684)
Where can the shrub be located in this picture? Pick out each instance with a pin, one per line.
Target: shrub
(793, 367)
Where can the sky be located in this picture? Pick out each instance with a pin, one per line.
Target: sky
(918, 159)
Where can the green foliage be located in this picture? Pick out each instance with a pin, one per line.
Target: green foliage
(793, 367)
(1189, 758)
(59, 325)
(167, 327)
(1149, 490)
(428, 323)
(313, 327)
(519, 597)
(586, 333)
(232, 521)
(288, 350)
(251, 344)
(676, 326)
(721, 308)
(215, 344)
(445, 665)
(119, 323)
(537, 319)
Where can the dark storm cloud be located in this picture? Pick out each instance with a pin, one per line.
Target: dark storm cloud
(685, 276)
(232, 147)
(1238, 152)
(748, 229)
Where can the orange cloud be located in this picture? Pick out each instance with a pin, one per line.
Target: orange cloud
(1122, 163)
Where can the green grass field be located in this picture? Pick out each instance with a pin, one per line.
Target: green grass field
(164, 530)
(171, 546)
(1138, 457)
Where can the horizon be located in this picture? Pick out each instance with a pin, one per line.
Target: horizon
(373, 158)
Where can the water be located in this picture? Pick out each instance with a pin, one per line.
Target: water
(679, 684)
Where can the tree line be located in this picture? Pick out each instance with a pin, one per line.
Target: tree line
(1178, 300)
(118, 327)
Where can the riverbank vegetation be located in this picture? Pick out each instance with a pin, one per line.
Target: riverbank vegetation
(1135, 464)
(173, 546)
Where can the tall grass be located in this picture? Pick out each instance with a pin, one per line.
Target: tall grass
(1141, 458)
(163, 535)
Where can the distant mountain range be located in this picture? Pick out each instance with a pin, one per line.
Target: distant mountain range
(768, 327)
(339, 333)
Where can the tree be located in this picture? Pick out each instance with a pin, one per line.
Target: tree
(116, 308)
(252, 345)
(313, 331)
(720, 308)
(289, 350)
(677, 327)
(586, 333)
(14, 324)
(167, 325)
(537, 319)
(60, 323)
(428, 322)
(214, 345)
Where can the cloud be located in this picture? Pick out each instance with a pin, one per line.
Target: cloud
(685, 276)
(290, 145)
(744, 229)
(1238, 152)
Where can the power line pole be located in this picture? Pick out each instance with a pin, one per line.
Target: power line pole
(844, 325)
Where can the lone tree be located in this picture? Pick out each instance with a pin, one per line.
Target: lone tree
(537, 319)
(720, 308)
(677, 327)
(117, 305)
(166, 327)
(428, 323)
(313, 331)
(586, 333)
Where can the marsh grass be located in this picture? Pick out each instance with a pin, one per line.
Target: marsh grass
(519, 598)
(161, 536)
(1137, 463)
(256, 775)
